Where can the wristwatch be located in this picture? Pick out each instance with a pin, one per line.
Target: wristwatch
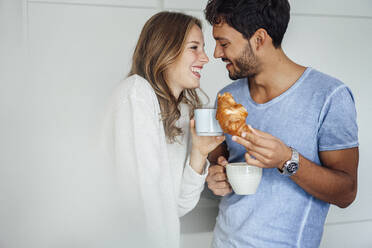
(291, 166)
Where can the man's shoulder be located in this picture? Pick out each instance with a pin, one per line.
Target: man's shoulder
(234, 87)
(322, 82)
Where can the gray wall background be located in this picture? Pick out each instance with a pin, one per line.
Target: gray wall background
(59, 61)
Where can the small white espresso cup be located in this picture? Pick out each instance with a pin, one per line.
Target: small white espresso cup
(243, 178)
(206, 123)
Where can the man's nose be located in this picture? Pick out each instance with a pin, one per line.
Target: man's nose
(218, 53)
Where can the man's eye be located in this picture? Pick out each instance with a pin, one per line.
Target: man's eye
(224, 44)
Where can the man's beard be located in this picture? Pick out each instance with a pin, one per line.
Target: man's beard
(246, 65)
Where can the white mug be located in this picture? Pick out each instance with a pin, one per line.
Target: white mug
(243, 178)
(206, 123)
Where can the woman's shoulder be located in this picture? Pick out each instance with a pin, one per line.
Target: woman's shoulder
(135, 86)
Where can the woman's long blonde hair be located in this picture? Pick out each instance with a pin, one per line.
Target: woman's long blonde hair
(161, 42)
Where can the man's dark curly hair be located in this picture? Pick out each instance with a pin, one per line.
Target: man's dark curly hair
(247, 16)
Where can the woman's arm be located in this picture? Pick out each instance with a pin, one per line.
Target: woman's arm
(196, 170)
(143, 168)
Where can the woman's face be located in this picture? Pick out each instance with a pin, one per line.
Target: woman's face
(184, 73)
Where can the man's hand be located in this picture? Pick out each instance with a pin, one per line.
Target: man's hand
(267, 150)
(334, 182)
(217, 179)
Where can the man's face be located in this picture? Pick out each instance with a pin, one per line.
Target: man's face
(236, 51)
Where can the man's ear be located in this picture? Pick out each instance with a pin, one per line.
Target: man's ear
(259, 38)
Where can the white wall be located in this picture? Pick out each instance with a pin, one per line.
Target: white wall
(52, 100)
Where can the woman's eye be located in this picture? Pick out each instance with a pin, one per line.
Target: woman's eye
(194, 47)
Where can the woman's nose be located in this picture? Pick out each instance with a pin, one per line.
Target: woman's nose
(204, 57)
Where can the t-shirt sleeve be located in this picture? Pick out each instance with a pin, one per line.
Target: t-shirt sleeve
(338, 127)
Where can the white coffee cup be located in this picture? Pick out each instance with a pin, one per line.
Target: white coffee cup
(206, 123)
(243, 178)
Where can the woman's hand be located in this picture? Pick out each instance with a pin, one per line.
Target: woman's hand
(201, 146)
(204, 144)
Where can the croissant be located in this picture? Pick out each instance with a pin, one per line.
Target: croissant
(231, 115)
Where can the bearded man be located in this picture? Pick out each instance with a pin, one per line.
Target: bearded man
(304, 133)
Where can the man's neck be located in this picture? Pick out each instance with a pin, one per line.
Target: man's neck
(278, 74)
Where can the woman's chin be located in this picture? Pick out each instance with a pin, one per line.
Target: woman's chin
(195, 84)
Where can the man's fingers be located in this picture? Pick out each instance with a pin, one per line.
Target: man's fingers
(215, 169)
(250, 146)
(216, 177)
(252, 140)
(220, 177)
(222, 192)
(222, 161)
(252, 161)
(219, 185)
(259, 132)
(264, 158)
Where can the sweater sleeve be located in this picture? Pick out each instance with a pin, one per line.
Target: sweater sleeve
(141, 161)
(191, 187)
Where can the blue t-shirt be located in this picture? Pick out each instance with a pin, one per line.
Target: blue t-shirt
(316, 114)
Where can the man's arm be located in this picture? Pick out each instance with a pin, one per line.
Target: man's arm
(217, 179)
(220, 150)
(334, 182)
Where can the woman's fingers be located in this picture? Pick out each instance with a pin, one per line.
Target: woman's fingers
(219, 139)
(192, 126)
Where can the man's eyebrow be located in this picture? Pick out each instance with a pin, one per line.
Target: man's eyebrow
(221, 38)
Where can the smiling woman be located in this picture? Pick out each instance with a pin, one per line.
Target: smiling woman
(184, 73)
(160, 162)
(164, 55)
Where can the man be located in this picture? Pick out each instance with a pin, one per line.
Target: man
(304, 133)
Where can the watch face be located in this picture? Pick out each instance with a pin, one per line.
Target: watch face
(292, 167)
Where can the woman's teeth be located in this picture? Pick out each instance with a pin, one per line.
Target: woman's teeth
(198, 70)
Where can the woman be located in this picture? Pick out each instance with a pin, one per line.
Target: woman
(161, 162)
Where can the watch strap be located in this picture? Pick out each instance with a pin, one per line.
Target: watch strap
(295, 156)
(294, 159)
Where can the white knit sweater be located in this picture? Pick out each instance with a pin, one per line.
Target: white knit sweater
(158, 183)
